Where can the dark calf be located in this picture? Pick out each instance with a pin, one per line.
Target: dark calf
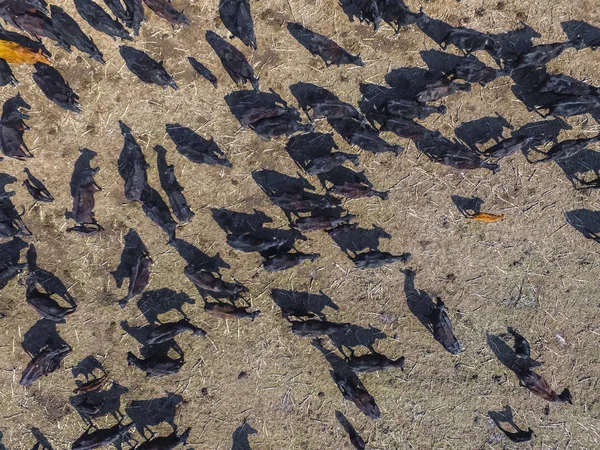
(203, 71)
(101, 437)
(157, 365)
(413, 110)
(55, 88)
(234, 62)
(100, 20)
(167, 331)
(167, 442)
(285, 261)
(36, 188)
(540, 387)
(44, 304)
(315, 328)
(356, 190)
(227, 311)
(235, 15)
(165, 10)
(139, 278)
(567, 149)
(146, 68)
(71, 33)
(312, 223)
(375, 258)
(43, 364)
(373, 362)
(358, 395)
(442, 328)
(323, 47)
(440, 89)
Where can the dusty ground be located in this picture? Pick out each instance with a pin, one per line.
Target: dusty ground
(288, 397)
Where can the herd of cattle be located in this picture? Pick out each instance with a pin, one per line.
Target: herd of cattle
(399, 109)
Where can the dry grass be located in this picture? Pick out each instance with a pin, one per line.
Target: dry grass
(440, 402)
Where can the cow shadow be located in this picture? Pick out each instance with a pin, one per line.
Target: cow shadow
(10, 254)
(526, 88)
(441, 63)
(185, 137)
(171, 186)
(41, 439)
(419, 302)
(2, 447)
(546, 130)
(41, 335)
(82, 171)
(586, 221)
(200, 260)
(6, 180)
(157, 210)
(396, 14)
(47, 280)
(197, 258)
(305, 147)
(308, 95)
(8, 211)
(86, 367)
(346, 425)
(99, 403)
(352, 240)
(149, 413)
(240, 436)
(234, 222)
(302, 304)
(38, 184)
(275, 184)
(506, 416)
(337, 364)
(147, 350)
(467, 206)
(237, 223)
(240, 101)
(410, 81)
(435, 29)
(153, 303)
(374, 99)
(340, 175)
(514, 43)
(355, 336)
(577, 166)
(589, 34)
(481, 131)
(504, 352)
(133, 249)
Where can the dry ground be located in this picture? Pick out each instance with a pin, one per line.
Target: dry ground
(440, 401)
